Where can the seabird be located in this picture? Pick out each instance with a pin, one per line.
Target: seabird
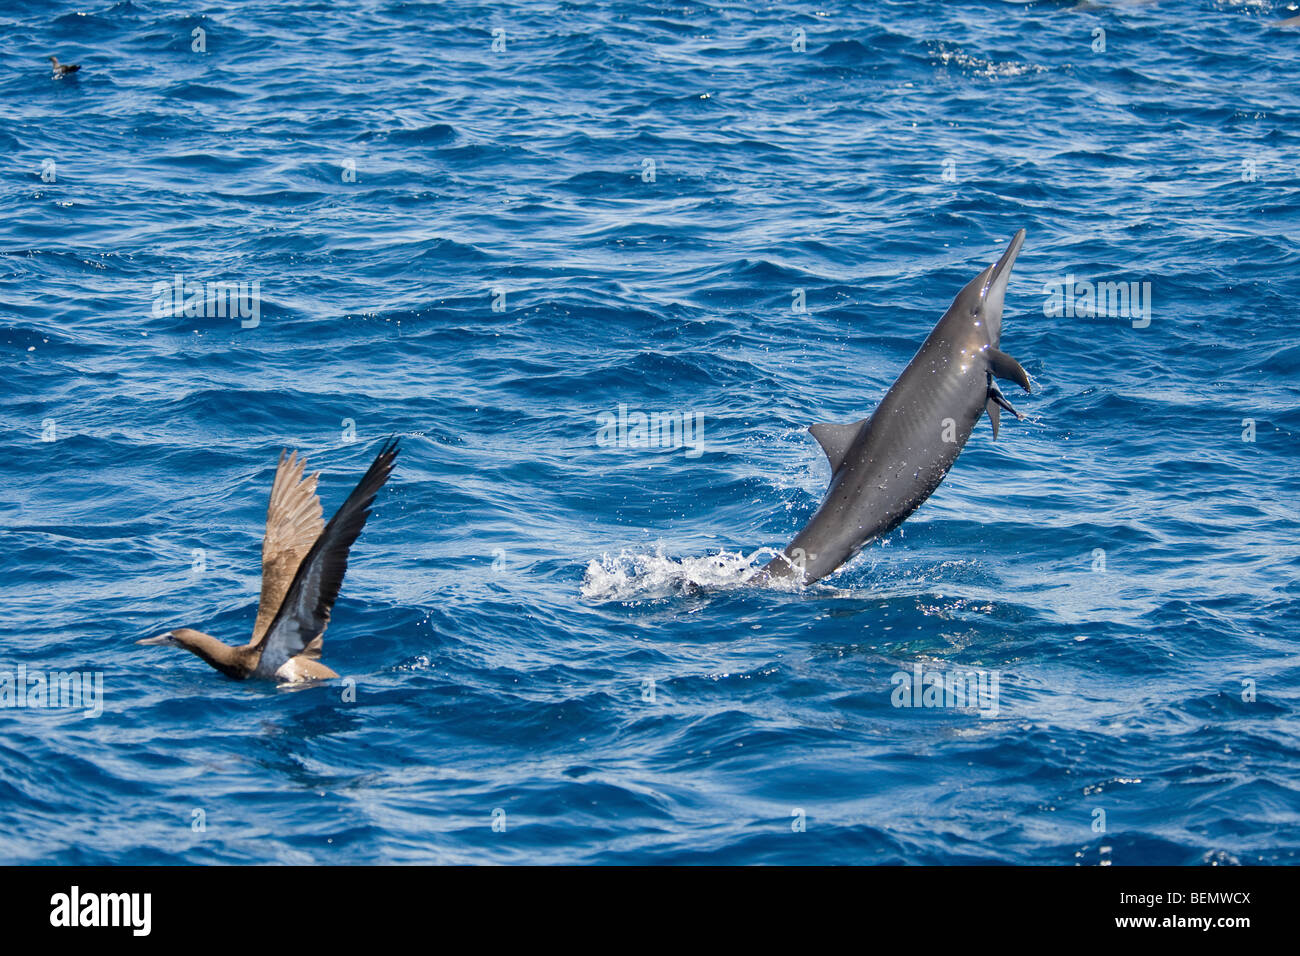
(302, 568)
(63, 69)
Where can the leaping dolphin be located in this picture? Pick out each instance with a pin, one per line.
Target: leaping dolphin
(885, 466)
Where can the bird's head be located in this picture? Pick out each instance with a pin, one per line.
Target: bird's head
(180, 637)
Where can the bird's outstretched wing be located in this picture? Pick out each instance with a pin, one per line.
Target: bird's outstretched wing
(306, 607)
(293, 523)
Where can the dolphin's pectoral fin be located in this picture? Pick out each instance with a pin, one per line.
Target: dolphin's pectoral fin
(995, 414)
(836, 440)
(995, 395)
(1004, 366)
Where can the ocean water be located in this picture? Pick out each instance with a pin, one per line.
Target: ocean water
(550, 654)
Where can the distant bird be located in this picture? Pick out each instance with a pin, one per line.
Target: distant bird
(63, 69)
(302, 570)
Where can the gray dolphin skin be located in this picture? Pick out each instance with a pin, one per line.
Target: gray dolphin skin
(885, 466)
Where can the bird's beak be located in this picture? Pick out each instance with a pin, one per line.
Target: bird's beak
(160, 639)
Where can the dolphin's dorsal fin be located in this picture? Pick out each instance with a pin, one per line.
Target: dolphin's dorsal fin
(836, 440)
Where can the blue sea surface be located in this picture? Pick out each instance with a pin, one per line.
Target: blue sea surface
(487, 227)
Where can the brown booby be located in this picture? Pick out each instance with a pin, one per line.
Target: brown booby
(63, 69)
(302, 569)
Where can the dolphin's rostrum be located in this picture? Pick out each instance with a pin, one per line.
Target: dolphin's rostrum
(885, 466)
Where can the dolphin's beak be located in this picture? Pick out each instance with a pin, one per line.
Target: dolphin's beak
(995, 286)
(160, 639)
(1000, 274)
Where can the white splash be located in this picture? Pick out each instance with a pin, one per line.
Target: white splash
(641, 576)
(988, 69)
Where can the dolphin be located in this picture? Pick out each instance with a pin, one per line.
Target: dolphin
(883, 467)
